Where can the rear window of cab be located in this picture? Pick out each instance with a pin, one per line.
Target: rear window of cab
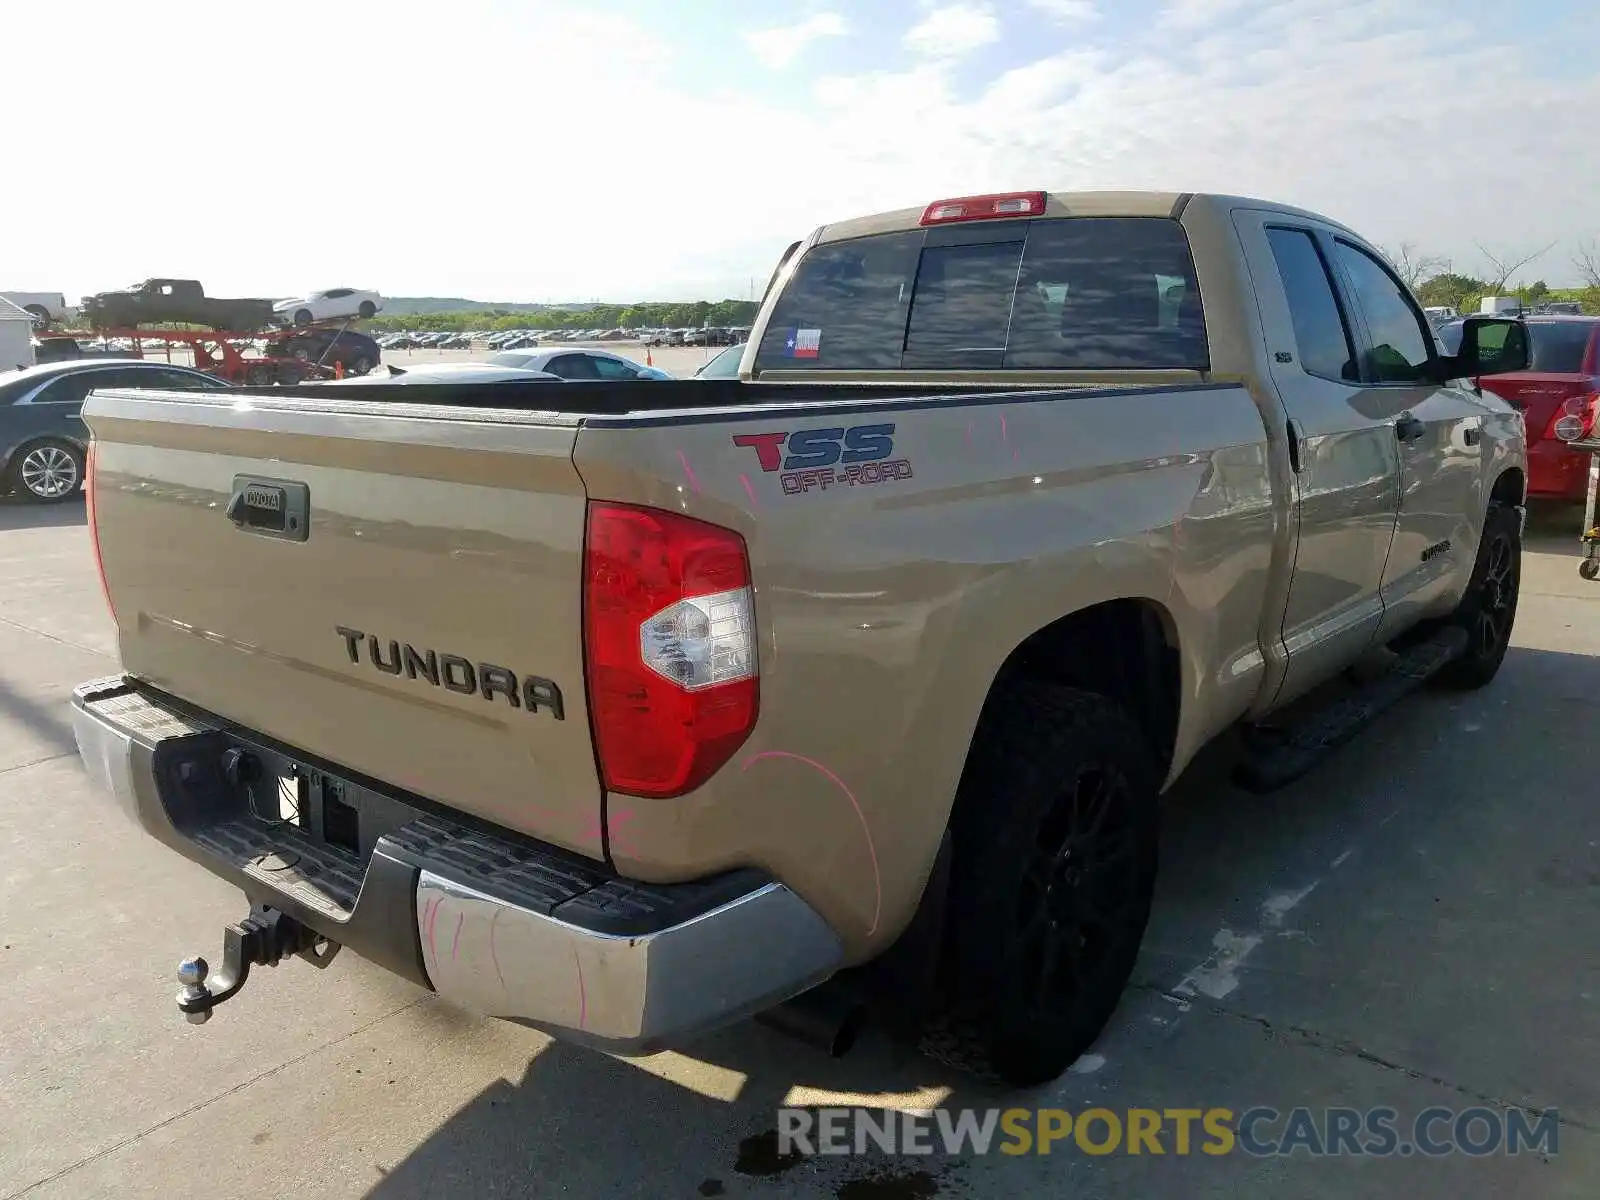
(1057, 294)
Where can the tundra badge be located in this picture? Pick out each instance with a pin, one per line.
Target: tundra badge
(454, 672)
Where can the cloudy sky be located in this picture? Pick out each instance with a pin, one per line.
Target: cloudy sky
(557, 149)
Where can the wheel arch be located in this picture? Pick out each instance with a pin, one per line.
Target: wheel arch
(1510, 487)
(1126, 649)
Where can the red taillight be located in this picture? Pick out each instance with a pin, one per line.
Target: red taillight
(984, 208)
(1574, 420)
(669, 634)
(94, 526)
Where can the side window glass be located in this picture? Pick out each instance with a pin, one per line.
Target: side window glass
(610, 368)
(1321, 335)
(176, 379)
(71, 389)
(1399, 351)
(572, 366)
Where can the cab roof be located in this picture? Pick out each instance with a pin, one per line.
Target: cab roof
(1077, 204)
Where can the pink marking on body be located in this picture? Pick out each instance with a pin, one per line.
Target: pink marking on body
(688, 471)
(494, 956)
(748, 490)
(872, 850)
(599, 829)
(455, 942)
(429, 920)
(583, 992)
(969, 435)
(1004, 436)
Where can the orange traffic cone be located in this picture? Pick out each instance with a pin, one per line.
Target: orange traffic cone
(338, 368)
(648, 361)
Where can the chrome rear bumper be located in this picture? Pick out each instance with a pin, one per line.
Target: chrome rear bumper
(558, 944)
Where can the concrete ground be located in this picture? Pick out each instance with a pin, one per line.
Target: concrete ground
(1413, 926)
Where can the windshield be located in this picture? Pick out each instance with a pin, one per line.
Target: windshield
(1071, 293)
(723, 366)
(508, 358)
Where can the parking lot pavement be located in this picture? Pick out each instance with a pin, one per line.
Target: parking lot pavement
(1412, 926)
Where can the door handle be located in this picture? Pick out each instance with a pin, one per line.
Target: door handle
(1408, 428)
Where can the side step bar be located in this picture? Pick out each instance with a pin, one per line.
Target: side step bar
(1282, 755)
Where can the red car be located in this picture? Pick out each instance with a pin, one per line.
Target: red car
(1563, 380)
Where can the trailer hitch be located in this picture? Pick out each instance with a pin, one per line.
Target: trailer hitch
(263, 939)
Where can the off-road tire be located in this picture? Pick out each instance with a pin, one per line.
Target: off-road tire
(1488, 610)
(1035, 746)
(361, 366)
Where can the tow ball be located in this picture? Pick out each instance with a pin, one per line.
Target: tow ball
(263, 939)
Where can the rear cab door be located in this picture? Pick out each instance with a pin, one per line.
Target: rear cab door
(1438, 433)
(1344, 452)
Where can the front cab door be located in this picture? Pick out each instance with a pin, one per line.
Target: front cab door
(1437, 429)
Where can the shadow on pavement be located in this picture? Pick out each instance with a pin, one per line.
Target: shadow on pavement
(23, 514)
(583, 1124)
(45, 718)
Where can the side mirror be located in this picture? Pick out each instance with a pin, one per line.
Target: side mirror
(1490, 346)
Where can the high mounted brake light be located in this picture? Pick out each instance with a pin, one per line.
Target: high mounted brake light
(984, 208)
(669, 637)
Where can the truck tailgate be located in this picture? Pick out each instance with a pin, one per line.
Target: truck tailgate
(421, 625)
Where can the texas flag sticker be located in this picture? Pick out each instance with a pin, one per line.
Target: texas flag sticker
(803, 343)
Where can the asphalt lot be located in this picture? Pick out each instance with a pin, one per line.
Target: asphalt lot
(1415, 925)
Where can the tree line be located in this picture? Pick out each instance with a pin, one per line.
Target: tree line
(1436, 281)
(689, 315)
(1433, 278)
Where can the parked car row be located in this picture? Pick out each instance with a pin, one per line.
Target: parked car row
(425, 341)
(521, 339)
(708, 336)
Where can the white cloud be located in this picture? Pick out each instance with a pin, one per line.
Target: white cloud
(781, 45)
(1362, 109)
(1196, 14)
(1067, 11)
(952, 30)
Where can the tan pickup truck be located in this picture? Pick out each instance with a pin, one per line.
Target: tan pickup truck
(630, 709)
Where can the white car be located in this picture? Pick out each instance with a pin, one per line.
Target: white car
(576, 364)
(328, 305)
(44, 307)
(437, 373)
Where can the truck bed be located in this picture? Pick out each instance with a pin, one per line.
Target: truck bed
(441, 570)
